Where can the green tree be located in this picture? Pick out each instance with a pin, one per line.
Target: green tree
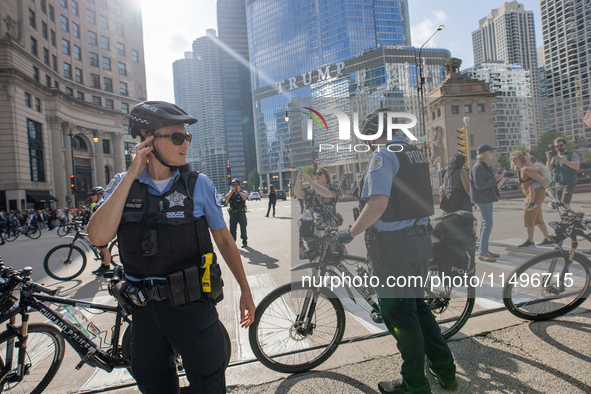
(539, 151)
(505, 162)
(309, 171)
(253, 179)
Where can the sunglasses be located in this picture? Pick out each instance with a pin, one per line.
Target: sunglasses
(319, 173)
(560, 146)
(177, 138)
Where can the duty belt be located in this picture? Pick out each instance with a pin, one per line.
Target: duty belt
(404, 233)
(155, 289)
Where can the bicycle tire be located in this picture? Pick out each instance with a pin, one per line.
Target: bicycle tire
(275, 307)
(12, 235)
(39, 348)
(115, 256)
(62, 231)
(34, 234)
(451, 307)
(59, 267)
(543, 302)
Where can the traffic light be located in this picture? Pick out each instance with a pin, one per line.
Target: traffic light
(72, 184)
(463, 144)
(315, 165)
(229, 174)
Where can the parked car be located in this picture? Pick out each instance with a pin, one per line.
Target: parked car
(584, 173)
(512, 183)
(222, 198)
(281, 195)
(255, 196)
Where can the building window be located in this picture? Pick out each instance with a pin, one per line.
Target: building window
(103, 5)
(96, 101)
(74, 7)
(51, 18)
(43, 6)
(48, 81)
(91, 38)
(79, 143)
(75, 30)
(95, 81)
(467, 109)
(108, 84)
(35, 137)
(45, 56)
(103, 22)
(107, 173)
(64, 22)
(54, 62)
(44, 29)
(125, 108)
(65, 46)
(132, 18)
(56, 84)
(32, 22)
(123, 88)
(119, 29)
(438, 112)
(125, 129)
(27, 99)
(77, 53)
(480, 107)
(34, 47)
(36, 74)
(69, 91)
(107, 150)
(78, 75)
(64, 3)
(120, 49)
(134, 55)
(67, 71)
(106, 63)
(455, 109)
(90, 16)
(109, 104)
(93, 59)
(37, 105)
(80, 95)
(122, 69)
(52, 37)
(128, 149)
(118, 9)
(105, 42)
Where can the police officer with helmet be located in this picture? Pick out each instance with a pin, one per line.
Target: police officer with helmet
(96, 196)
(163, 215)
(237, 201)
(397, 193)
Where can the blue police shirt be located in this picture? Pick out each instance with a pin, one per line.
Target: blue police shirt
(205, 199)
(382, 168)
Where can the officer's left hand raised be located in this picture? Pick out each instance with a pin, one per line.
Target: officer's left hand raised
(344, 236)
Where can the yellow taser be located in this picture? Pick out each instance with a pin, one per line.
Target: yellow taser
(207, 260)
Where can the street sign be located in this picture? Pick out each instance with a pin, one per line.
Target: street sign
(313, 148)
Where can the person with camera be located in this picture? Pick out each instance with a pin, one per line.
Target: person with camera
(565, 165)
(163, 215)
(237, 201)
(397, 192)
(96, 196)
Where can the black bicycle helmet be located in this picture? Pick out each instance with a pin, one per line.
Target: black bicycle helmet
(152, 115)
(96, 191)
(371, 123)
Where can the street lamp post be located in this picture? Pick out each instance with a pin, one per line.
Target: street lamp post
(421, 84)
(73, 165)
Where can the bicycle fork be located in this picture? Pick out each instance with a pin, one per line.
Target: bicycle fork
(20, 342)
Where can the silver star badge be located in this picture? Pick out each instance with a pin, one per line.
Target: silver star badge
(176, 198)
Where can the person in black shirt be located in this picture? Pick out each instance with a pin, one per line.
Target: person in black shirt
(272, 201)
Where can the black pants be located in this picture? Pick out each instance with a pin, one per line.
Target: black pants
(194, 331)
(301, 205)
(235, 218)
(271, 204)
(405, 312)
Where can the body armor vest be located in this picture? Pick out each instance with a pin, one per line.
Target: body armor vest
(167, 221)
(237, 203)
(411, 195)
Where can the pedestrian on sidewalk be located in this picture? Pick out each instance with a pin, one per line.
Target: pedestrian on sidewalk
(526, 165)
(272, 201)
(484, 192)
(456, 185)
(564, 165)
(397, 193)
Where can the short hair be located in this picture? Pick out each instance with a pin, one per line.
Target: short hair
(560, 139)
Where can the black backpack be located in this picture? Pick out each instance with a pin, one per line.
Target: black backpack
(455, 251)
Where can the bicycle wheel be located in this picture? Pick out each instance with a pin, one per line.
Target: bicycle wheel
(33, 233)
(451, 306)
(114, 250)
(277, 336)
(45, 352)
(62, 231)
(532, 291)
(12, 234)
(65, 262)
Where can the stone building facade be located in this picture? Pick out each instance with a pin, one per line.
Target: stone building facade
(70, 71)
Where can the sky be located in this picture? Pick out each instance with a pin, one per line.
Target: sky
(169, 33)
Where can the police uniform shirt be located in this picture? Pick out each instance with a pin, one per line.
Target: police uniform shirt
(382, 168)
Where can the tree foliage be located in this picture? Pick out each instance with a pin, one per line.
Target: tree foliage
(253, 179)
(309, 171)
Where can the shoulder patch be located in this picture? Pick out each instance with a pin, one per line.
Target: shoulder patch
(377, 162)
(110, 185)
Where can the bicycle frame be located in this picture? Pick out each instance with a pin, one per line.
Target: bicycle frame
(568, 256)
(82, 237)
(89, 352)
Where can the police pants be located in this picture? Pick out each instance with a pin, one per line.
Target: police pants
(407, 316)
(235, 218)
(194, 331)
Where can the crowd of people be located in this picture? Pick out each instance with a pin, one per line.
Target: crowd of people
(46, 219)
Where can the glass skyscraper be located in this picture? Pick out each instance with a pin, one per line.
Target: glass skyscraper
(354, 56)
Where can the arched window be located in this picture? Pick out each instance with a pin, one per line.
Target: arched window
(107, 174)
(78, 143)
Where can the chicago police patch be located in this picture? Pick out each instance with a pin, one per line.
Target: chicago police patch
(377, 162)
(110, 185)
(175, 199)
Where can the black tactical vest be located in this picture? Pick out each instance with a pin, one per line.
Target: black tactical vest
(411, 196)
(181, 238)
(237, 203)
